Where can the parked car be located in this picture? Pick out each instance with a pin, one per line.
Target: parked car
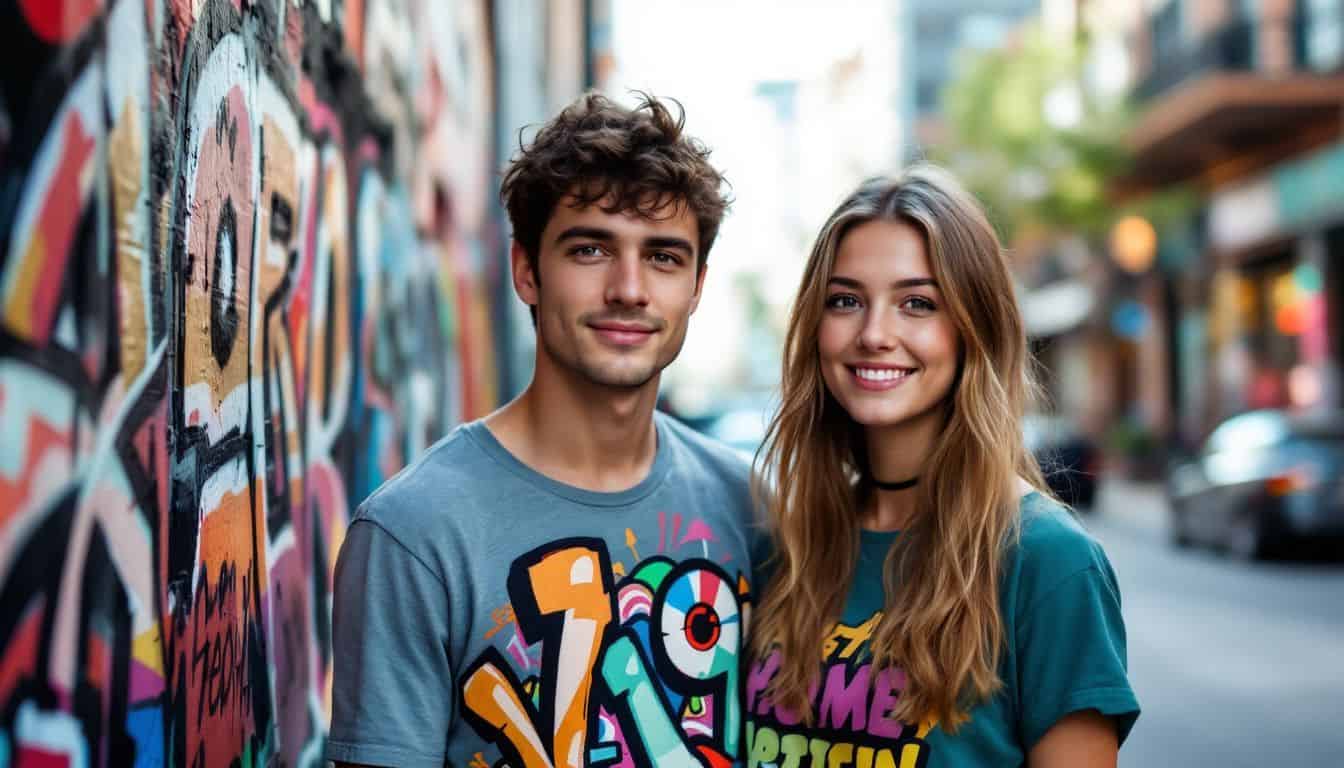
(1068, 458)
(1262, 480)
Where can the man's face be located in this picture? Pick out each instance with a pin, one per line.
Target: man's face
(614, 291)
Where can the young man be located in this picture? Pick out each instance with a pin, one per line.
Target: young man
(564, 582)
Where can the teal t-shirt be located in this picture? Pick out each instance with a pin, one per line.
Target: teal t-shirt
(1065, 652)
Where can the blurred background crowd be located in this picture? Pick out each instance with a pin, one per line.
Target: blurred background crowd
(253, 264)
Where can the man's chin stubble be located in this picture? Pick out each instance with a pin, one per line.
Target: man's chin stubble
(613, 380)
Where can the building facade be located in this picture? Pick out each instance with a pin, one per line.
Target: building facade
(1241, 102)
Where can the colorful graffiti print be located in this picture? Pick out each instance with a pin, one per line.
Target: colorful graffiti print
(222, 324)
(852, 706)
(637, 671)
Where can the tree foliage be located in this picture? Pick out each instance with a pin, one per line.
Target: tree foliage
(1030, 138)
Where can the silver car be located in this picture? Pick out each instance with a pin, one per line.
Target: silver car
(1263, 481)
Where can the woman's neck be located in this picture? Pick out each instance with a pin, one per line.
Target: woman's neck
(887, 510)
(897, 453)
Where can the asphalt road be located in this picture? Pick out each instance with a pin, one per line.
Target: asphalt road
(1235, 664)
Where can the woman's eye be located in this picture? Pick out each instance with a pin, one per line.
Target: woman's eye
(919, 304)
(842, 301)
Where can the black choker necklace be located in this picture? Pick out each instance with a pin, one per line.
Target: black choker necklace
(896, 486)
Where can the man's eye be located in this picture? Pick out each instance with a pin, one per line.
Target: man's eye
(665, 258)
(842, 301)
(587, 251)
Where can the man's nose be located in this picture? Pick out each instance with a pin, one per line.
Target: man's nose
(626, 282)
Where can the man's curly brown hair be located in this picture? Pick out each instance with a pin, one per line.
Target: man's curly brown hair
(597, 151)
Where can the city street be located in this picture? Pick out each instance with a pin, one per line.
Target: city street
(1235, 664)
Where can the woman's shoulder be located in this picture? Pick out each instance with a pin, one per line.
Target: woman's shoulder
(1053, 546)
(1049, 524)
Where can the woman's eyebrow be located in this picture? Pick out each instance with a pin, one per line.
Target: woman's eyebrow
(911, 282)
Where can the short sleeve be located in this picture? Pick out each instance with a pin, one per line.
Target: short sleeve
(1071, 655)
(392, 693)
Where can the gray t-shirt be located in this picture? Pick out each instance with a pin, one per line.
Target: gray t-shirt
(485, 611)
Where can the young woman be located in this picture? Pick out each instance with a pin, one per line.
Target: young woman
(960, 615)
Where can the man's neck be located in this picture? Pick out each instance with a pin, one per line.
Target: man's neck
(592, 437)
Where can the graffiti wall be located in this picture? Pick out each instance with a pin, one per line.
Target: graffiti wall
(246, 268)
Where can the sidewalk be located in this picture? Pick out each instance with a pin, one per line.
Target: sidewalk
(1138, 505)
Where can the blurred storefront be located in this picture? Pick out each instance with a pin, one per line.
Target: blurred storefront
(1242, 102)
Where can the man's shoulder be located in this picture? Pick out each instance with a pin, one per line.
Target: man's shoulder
(711, 473)
(705, 451)
(447, 478)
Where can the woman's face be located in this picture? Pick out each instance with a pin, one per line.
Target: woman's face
(887, 345)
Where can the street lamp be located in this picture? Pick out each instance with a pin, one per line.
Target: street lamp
(1133, 244)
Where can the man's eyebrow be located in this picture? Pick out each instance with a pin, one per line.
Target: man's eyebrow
(598, 233)
(669, 242)
(913, 282)
(592, 233)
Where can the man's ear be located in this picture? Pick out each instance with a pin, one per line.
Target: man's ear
(525, 281)
(699, 287)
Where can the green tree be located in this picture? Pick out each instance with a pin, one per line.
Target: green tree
(1027, 135)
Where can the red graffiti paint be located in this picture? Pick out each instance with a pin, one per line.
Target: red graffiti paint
(42, 443)
(713, 757)
(19, 655)
(56, 227)
(99, 662)
(59, 21)
(28, 756)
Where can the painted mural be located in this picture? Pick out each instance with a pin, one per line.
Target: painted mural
(244, 279)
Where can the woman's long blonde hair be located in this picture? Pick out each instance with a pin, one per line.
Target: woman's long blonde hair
(941, 623)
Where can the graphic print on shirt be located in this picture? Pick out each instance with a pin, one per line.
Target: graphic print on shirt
(638, 671)
(851, 707)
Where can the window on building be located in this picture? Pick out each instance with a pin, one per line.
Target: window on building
(1274, 334)
(926, 95)
(1323, 25)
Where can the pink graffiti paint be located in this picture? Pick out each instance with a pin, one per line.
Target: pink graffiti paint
(698, 530)
(610, 733)
(144, 683)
